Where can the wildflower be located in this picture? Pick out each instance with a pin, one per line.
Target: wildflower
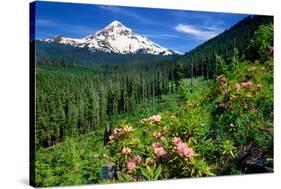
(137, 159)
(163, 138)
(259, 85)
(156, 134)
(127, 128)
(159, 151)
(155, 118)
(182, 149)
(176, 140)
(131, 165)
(126, 150)
(165, 129)
(156, 145)
(188, 152)
(237, 87)
(247, 84)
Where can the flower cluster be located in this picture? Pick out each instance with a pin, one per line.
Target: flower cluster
(152, 119)
(120, 132)
(247, 84)
(133, 163)
(126, 150)
(156, 134)
(158, 149)
(181, 148)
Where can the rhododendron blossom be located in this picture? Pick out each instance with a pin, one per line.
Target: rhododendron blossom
(126, 150)
(237, 87)
(158, 149)
(131, 165)
(156, 145)
(247, 84)
(181, 148)
(137, 159)
(176, 140)
(155, 118)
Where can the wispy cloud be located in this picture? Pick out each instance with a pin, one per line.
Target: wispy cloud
(126, 12)
(200, 33)
(162, 36)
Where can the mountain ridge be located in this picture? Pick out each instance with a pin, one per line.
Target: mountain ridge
(114, 38)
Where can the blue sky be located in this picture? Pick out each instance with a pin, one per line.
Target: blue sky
(175, 29)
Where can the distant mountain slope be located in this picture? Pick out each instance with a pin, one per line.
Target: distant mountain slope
(56, 53)
(114, 38)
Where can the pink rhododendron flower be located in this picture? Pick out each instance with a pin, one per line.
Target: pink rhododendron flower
(159, 151)
(155, 118)
(156, 145)
(181, 148)
(188, 152)
(137, 159)
(247, 84)
(176, 140)
(126, 150)
(131, 165)
(237, 87)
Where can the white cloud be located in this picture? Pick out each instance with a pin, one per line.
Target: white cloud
(201, 33)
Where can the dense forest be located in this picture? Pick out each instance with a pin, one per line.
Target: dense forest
(209, 105)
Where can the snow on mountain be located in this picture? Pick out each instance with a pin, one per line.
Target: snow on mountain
(115, 38)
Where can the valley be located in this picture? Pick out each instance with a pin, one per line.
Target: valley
(207, 112)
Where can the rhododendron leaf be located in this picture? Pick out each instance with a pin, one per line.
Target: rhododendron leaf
(144, 174)
(158, 172)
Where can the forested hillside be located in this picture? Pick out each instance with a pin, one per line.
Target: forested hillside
(207, 113)
(203, 58)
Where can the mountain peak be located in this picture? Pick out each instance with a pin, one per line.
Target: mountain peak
(115, 23)
(117, 38)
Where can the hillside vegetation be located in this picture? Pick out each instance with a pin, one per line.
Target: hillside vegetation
(169, 120)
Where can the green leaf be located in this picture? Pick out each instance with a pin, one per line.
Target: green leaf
(157, 172)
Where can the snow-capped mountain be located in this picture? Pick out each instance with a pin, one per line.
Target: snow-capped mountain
(115, 38)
